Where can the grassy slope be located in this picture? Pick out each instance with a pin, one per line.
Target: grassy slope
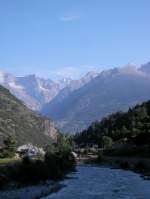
(17, 120)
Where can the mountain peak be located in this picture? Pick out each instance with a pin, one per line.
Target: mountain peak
(129, 68)
(65, 82)
(145, 67)
(91, 74)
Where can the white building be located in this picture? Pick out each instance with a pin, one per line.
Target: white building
(30, 151)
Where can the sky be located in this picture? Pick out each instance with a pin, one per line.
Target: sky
(67, 38)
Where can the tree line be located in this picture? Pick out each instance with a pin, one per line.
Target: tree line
(132, 126)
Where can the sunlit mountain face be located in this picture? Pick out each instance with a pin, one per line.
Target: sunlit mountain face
(35, 92)
(112, 90)
(74, 104)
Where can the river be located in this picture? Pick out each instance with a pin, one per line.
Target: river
(94, 182)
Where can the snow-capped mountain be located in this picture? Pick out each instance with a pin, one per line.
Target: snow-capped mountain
(146, 67)
(74, 104)
(68, 89)
(32, 90)
(35, 92)
(41, 90)
(112, 90)
(64, 82)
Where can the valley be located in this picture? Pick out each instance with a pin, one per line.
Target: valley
(74, 99)
(74, 104)
(30, 142)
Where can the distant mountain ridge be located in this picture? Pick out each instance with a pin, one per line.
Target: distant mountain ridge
(32, 90)
(74, 104)
(35, 92)
(110, 91)
(66, 91)
(146, 67)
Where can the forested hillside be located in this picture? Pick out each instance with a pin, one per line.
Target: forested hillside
(131, 125)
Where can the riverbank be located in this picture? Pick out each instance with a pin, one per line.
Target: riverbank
(33, 179)
(86, 159)
(136, 164)
(31, 192)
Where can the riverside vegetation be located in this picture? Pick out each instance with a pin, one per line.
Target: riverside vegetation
(57, 161)
(123, 138)
(120, 136)
(19, 126)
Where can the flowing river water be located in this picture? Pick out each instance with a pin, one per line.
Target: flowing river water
(94, 182)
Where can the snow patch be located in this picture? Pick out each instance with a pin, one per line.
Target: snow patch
(2, 78)
(15, 86)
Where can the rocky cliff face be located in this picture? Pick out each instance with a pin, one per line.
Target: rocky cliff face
(22, 123)
(50, 130)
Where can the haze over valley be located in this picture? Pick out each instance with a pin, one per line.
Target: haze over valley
(74, 104)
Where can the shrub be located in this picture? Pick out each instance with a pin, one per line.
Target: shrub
(100, 158)
(124, 165)
(140, 166)
(106, 142)
(58, 160)
(10, 148)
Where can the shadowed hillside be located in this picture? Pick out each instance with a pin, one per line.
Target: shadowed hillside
(22, 123)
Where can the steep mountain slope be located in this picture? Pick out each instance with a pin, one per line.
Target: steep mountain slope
(41, 90)
(67, 90)
(35, 92)
(112, 90)
(146, 67)
(32, 90)
(17, 120)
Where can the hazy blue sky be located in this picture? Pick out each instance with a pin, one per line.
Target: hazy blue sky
(55, 38)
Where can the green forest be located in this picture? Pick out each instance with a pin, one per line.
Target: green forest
(131, 128)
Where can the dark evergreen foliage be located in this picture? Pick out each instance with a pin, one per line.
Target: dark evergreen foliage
(9, 149)
(133, 126)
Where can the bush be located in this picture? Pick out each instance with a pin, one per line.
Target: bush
(100, 158)
(58, 160)
(10, 148)
(106, 142)
(124, 165)
(140, 166)
(29, 172)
